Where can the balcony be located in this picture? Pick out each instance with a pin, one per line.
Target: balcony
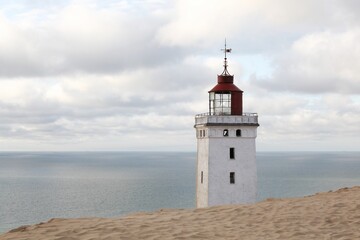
(245, 119)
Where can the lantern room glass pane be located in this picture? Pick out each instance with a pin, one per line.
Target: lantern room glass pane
(220, 103)
(212, 96)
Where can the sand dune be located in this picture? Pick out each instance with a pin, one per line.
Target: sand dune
(332, 215)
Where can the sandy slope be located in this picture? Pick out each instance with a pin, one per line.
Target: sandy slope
(332, 215)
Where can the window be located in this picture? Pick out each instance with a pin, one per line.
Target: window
(202, 176)
(220, 103)
(226, 133)
(238, 133)
(232, 177)
(232, 153)
(201, 133)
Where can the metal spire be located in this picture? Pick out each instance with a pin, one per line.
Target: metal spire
(225, 50)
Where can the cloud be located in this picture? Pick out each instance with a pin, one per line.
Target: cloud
(252, 26)
(317, 63)
(316, 126)
(83, 108)
(80, 38)
(131, 75)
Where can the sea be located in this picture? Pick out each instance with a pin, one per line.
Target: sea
(38, 186)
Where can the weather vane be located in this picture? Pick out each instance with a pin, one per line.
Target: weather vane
(225, 50)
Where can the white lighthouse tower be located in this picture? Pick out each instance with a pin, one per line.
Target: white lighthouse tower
(226, 152)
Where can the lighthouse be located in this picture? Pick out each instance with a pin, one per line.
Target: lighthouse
(226, 150)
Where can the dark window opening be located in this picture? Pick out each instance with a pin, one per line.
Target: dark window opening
(201, 133)
(202, 176)
(232, 153)
(238, 133)
(232, 177)
(226, 133)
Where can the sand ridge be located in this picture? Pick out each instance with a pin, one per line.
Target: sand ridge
(331, 215)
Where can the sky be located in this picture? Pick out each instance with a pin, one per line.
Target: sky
(130, 75)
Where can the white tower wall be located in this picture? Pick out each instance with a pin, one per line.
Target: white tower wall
(244, 190)
(213, 160)
(202, 166)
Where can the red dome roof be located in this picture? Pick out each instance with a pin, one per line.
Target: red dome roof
(222, 87)
(225, 83)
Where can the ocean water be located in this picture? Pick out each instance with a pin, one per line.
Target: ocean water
(35, 187)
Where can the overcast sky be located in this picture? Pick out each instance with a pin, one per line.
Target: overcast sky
(131, 75)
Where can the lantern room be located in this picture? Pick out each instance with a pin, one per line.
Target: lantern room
(225, 98)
